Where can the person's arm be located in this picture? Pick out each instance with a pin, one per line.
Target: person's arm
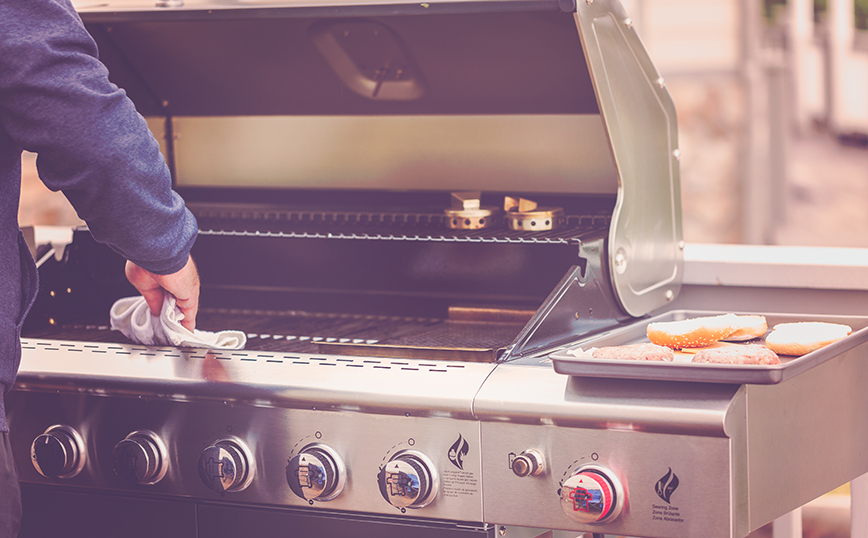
(56, 101)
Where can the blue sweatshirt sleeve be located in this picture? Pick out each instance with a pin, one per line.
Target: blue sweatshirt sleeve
(56, 101)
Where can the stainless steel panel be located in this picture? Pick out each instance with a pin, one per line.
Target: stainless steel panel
(487, 152)
(416, 387)
(806, 436)
(699, 506)
(569, 364)
(534, 395)
(644, 255)
(364, 441)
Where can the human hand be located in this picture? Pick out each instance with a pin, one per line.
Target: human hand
(183, 285)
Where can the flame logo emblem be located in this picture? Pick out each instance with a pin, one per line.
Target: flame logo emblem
(457, 451)
(667, 485)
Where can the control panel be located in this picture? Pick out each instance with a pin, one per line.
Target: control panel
(618, 482)
(394, 465)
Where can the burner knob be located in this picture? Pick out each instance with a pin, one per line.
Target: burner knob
(141, 458)
(592, 495)
(226, 465)
(58, 453)
(409, 480)
(528, 463)
(317, 473)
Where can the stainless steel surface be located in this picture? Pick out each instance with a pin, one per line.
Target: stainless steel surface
(705, 447)
(346, 151)
(792, 461)
(641, 126)
(703, 501)
(390, 387)
(682, 370)
(637, 429)
(365, 442)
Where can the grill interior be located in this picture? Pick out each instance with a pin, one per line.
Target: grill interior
(387, 284)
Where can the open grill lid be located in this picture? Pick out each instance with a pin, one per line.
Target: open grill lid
(570, 83)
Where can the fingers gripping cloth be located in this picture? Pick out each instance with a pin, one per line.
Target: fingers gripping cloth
(133, 318)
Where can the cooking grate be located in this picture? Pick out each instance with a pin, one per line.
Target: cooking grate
(303, 332)
(240, 221)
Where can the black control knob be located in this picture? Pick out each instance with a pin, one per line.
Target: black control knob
(227, 465)
(317, 473)
(141, 458)
(58, 453)
(409, 480)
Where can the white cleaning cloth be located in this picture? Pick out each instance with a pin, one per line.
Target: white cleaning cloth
(132, 317)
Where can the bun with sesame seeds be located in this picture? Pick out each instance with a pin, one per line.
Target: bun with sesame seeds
(694, 332)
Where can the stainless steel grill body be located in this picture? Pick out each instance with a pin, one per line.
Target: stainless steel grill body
(318, 146)
(731, 447)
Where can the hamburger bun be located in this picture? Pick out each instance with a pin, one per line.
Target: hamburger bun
(695, 332)
(804, 337)
(748, 328)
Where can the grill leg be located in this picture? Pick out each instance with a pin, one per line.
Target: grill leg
(859, 507)
(788, 525)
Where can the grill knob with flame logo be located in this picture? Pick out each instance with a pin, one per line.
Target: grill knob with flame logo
(592, 495)
(409, 480)
(141, 458)
(226, 466)
(58, 453)
(317, 473)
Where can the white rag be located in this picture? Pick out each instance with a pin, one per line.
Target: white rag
(133, 318)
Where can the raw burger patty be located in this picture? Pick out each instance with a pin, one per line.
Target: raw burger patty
(635, 352)
(747, 354)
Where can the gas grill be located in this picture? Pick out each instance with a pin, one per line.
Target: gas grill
(415, 212)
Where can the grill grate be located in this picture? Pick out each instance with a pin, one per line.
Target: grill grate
(236, 221)
(302, 332)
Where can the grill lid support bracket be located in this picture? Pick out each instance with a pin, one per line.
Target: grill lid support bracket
(582, 304)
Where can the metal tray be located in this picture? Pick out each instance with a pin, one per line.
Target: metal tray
(568, 364)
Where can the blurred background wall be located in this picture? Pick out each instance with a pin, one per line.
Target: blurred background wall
(772, 100)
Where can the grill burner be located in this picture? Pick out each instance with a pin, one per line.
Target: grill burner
(467, 214)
